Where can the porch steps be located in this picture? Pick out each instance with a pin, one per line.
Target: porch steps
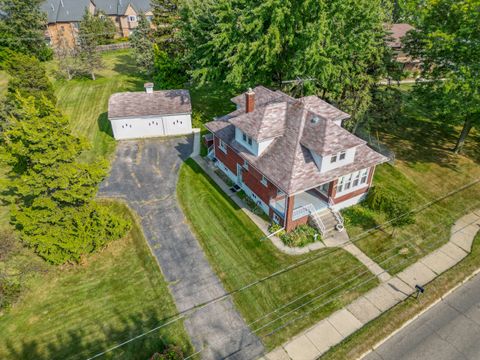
(328, 220)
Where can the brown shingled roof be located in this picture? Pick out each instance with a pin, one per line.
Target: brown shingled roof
(287, 161)
(397, 32)
(134, 104)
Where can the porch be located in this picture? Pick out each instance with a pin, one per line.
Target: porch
(304, 204)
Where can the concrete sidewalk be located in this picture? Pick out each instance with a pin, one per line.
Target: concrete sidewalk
(314, 342)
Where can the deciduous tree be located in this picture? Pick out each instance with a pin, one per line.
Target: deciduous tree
(447, 40)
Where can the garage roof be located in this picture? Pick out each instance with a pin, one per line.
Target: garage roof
(136, 104)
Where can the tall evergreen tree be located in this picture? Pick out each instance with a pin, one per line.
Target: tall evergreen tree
(448, 42)
(23, 28)
(165, 17)
(336, 45)
(142, 45)
(52, 191)
(89, 36)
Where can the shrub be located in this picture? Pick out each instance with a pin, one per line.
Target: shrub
(274, 228)
(170, 353)
(9, 292)
(257, 210)
(394, 206)
(301, 236)
(359, 215)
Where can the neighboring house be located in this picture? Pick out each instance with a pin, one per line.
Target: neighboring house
(150, 113)
(64, 16)
(292, 156)
(394, 41)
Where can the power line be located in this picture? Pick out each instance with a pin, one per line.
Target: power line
(201, 306)
(334, 298)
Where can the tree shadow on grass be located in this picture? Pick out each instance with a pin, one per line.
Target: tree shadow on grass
(78, 344)
(104, 124)
(125, 64)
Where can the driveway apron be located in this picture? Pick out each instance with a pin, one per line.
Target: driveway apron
(144, 174)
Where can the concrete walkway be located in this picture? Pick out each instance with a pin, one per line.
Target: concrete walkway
(336, 239)
(313, 342)
(144, 174)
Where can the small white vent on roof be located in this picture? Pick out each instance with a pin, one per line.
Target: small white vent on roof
(315, 120)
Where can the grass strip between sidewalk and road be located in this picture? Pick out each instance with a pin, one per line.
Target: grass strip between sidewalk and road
(372, 333)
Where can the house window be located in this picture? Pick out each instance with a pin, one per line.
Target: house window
(264, 181)
(348, 182)
(364, 176)
(342, 155)
(244, 137)
(276, 218)
(222, 146)
(245, 164)
(150, 18)
(132, 18)
(250, 141)
(333, 159)
(340, 184)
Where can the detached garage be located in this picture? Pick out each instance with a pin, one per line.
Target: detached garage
(150, 113)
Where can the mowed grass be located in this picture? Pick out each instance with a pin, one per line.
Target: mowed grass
(284, 304)
(74, 312)
(425, 170)
(85, 101)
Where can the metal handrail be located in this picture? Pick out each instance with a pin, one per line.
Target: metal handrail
(338, 216)
(316, 218)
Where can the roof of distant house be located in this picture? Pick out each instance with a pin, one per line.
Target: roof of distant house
(397, 32)
(73, 10)
(295, 127)
(137, 104)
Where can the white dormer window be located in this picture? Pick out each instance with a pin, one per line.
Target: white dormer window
(132, 18)
(264, 181)
(222, 146)
(342, 156)
(333, 159)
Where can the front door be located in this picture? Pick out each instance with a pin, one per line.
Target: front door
(239, 174)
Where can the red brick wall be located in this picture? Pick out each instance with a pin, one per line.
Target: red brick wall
(230, 159)
(251, 177)
(292, 224)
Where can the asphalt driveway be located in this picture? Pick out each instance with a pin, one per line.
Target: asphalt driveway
(144, 174)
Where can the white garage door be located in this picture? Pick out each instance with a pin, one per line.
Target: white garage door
(177, 125)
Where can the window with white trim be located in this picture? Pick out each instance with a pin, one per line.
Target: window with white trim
(247, 139)
(342, 155)
(333, 159)
(132, 18)
(222, 146)
(352, 181)
(264, 181)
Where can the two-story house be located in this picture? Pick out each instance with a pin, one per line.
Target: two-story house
(64, 16)
(292, 156)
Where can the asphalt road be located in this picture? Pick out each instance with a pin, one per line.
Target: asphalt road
(145, 174)
(450, 330)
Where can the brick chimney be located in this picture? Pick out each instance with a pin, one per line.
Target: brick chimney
(249, 100)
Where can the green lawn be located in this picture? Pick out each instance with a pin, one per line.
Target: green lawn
(425, 169)
(77, 311)
(74, 312)
(86, 101)
(240, 255)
